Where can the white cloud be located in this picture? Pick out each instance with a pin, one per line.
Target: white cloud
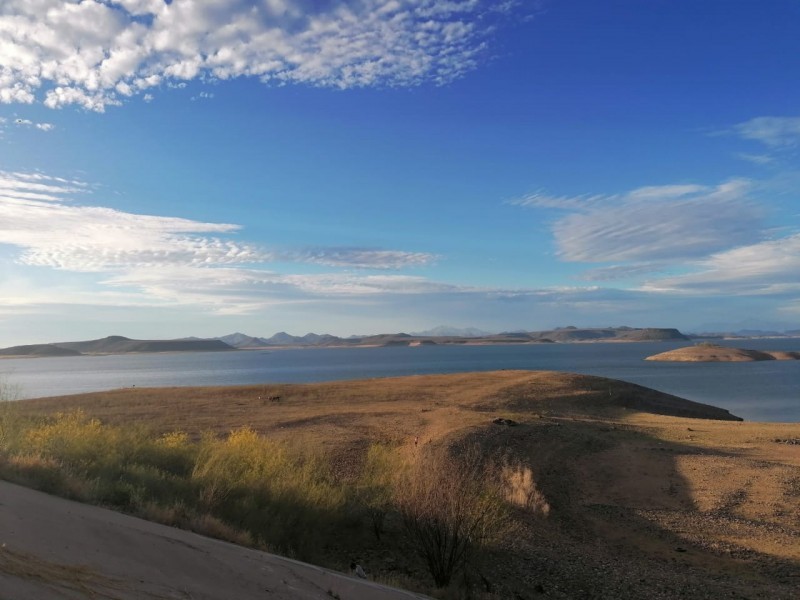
(28, 123)
(35, 186)
(654, 223)
(202, 96)
(95, 52)
(174, 259)
(769, 267)
(772, 131)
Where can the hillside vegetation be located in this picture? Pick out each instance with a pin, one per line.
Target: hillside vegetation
(565, 486)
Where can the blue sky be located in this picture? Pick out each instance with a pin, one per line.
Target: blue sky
(350, 167)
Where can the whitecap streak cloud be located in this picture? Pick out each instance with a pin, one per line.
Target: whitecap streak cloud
(96, 53)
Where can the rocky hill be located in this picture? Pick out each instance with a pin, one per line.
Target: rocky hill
(116, 344)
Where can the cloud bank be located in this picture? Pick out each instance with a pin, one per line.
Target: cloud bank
(95, 53)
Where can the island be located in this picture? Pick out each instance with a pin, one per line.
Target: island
(714, 353)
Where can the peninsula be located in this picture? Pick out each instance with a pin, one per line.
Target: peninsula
(115, 344)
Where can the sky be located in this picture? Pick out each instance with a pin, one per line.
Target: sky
(195, 168)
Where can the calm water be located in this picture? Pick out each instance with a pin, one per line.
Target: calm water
(763, 391)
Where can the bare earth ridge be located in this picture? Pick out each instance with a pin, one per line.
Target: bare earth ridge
(650, 496)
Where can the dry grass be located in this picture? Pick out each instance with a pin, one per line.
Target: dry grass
(613, 491)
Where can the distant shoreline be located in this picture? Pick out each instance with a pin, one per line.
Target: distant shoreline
(118, 345)
(412, 344)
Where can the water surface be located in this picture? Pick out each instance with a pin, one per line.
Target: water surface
(764, 391)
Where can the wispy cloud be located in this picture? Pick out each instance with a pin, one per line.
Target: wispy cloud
(541, 199)
(768, 267)
(756, 159)
(182, 260)
(98, 52)
(653, 223)
(227, 290)
(128, 259)
(18, 122)
(364, 258)
(617, 272)
(51, 232)
(772, 131)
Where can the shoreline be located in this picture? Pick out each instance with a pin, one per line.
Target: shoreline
(412, 344)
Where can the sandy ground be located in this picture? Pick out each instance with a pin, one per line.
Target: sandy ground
(51, 548)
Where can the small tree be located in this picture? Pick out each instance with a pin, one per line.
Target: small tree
(451, 507)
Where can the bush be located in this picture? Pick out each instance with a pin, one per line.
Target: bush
(285, 501)
(451, 508)
(373, 491)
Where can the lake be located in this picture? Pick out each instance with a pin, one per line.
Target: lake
(759, 391)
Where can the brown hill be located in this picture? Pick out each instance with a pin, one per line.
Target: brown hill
(714, 353)
(643, 503)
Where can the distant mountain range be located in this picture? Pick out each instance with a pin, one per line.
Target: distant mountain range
(439, 336)
(450, 335)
